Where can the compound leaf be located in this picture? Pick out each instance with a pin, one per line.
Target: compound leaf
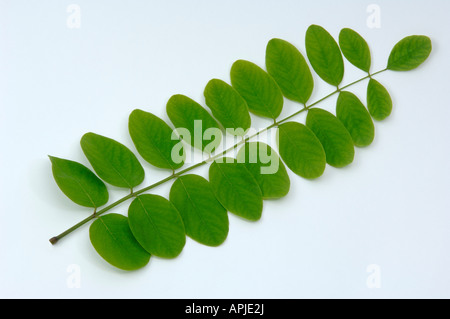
(355, 49)
(112, 239)
(79, 183)
(236, 188)
(155, 140)
(204, 218)
(258, 88)
(157, 225)
(409, 53)
(336, 140)
(227, 106)
(112, 161)
(356, 119)
(267, 169)
(301, 150)
(379, 101)
(324, 55)
(288, 67)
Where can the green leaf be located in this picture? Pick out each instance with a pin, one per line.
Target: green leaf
(266, 167)
(79, 183)
(355, 49)
(288, 67)
(301, 150)
(336, 140)
(324, 55)
(204, 218)
(379, 101)
(258, 88)
(112, 161)
(409, 53)
(112, 239)
(236, 188)
(155, 140)
(185, 113)
(356, 119)
(227, 106)
(157, 225)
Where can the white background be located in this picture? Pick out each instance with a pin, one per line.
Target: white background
(390, 208)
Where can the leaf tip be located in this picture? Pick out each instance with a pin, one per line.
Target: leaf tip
(88, 134)
(135, 112)
(52, 158)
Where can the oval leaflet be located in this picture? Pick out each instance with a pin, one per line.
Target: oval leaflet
(157, 225)
(193, 123)
(112, 161)
(409, 53)
(379, 101)
(79, 183)
(355, 49)
(266, 167)
(301, 150)
(356, 119)
(324, 55)
(288, 67)
(336, 140)
(112, 239)
(155, 140)
(228, 107)
(204, 218)
(236, 188)
(258, 88)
